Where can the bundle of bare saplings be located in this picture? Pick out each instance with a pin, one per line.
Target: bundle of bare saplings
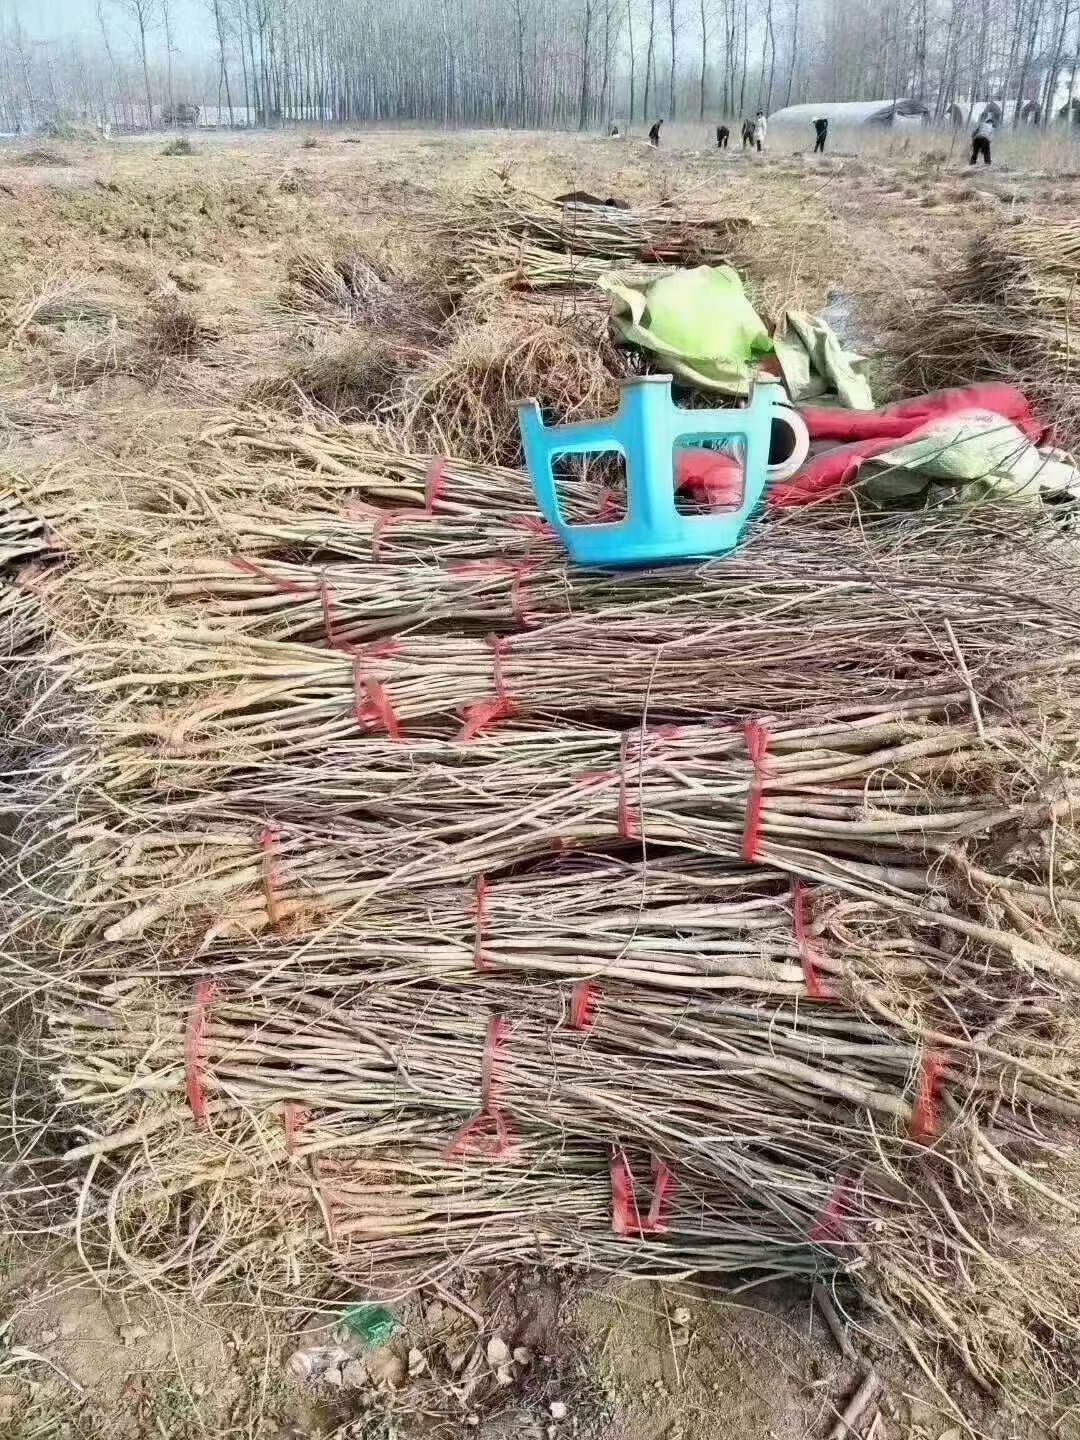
(410, 897)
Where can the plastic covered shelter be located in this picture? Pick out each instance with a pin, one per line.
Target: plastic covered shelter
(853, 112)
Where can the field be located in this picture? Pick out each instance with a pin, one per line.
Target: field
(162, 314)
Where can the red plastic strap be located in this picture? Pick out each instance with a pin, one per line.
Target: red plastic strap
(629, 818)
(926, 1112)
(378, 650)
(518, 571)
(372, 706)
(482, 714)
(584, 999)
(327, 611)
(522, 571)
(279, 582)
(830, 1225)
(385, 519)
(757, 743)
(808, 953)
(610, 509)
(498, 1027)
(624, 1210)
(669, 732)
(663, 1178)
(361, 510)
(295, 1120)
(434, 484)
(625, 1215)
(195, 1047)
(488, 1133)
(479, 959)
(534, 525)
(269, 838)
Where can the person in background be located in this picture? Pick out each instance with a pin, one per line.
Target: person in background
(761, 126)
(722, 136)
(821, 133)
(613, 133)
(747, 133)
(980, 140)
(654, 133)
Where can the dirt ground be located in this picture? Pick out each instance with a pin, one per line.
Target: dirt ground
(140, 294)
(529, 1355)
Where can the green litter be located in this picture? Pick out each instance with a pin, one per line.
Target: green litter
(699, 321)
(372, 1325)
(702, 327)
(813, 362)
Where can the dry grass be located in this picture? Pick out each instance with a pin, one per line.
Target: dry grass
(1010, 311)
(173, 330)
(351, 376)
(41, 156)
(464, 401)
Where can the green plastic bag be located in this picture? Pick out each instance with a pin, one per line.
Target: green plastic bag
(372, 1325)
(813, 362)
(699, 321)
(977, 455)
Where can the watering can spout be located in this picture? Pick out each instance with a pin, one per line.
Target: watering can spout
(645, 432)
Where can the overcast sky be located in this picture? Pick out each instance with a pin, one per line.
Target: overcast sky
(52, 19)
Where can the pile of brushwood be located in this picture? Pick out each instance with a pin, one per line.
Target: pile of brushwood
(501, 301)
(395, 895)
(1009, 311)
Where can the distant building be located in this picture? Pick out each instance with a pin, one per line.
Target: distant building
(131, 118)
(888, 113)
(219, 117)
(181, 113)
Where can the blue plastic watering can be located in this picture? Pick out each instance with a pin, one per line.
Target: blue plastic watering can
(645, 431)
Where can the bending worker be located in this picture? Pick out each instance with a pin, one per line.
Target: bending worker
(980, 140)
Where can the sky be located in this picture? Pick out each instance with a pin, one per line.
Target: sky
(56, 19)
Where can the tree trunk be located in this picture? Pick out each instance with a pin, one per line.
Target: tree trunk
(605, 77)
(1069, 119)
(141, 16)
(1025, 64)
(794, 51)
(764, 51)
(649, 60)
(167, 22)
(671, 75)
(583, 107)
(1055, 66)
(704, 61)
(630, 47)
(224, 64)
(521, 62)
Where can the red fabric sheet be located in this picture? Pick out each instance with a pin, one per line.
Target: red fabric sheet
(872, 432)
(714, 479)
(894, 421)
